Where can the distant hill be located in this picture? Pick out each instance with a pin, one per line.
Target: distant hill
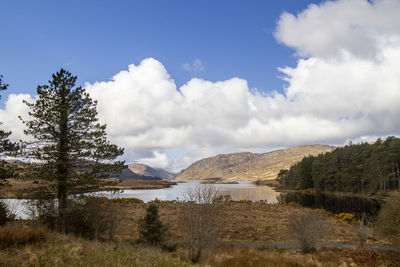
(146, 171)
(128, 174)
(250, 166)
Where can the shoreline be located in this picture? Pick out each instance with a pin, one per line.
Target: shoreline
(28, 189)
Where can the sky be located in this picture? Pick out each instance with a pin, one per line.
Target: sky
(177, 81)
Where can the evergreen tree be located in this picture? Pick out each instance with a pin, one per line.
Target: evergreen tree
(6, 146)
(68, 140)
(151, 229)
(366, 168)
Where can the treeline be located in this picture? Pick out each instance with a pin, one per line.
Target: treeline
(366, 168)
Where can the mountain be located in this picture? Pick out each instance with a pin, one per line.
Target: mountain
(128, 174)
(145, 170)
(250, 166)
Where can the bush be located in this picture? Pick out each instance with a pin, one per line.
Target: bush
(362, 229)
(388, 220)
(346, 217)
(151, 229)
(16, 235)
(307, 228)
(43, 208)
(200, 218)
(88, 217)
(91, 217)
(5, 214)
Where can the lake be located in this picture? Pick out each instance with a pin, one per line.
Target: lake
(243, 190)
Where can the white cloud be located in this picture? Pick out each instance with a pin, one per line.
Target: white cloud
(347, 86)
(158, 159)
(195, 67)
(359, 27)
(14, 107)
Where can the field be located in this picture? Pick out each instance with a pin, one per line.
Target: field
(242, 222)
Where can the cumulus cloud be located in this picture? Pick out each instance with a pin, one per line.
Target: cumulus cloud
(359, 27)
(15, 107)
(345, 86)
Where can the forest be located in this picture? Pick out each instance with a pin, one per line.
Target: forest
(358, 168)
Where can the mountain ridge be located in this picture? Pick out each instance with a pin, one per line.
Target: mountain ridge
(248, 165)
(146, 170)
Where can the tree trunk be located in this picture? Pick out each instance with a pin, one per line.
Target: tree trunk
(62, 203)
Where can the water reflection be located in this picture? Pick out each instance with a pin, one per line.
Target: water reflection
(243, 190)
(334, 203)
(17, 207)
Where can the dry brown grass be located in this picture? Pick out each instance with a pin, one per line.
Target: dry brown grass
(244, 222)
(330, 257)
(23, 188)
(17, 234)
(67, 250)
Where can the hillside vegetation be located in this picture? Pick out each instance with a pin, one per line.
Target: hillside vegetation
(364, 168)
(249, 166)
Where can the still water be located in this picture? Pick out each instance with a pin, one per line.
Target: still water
(243, 190)
(334, 203)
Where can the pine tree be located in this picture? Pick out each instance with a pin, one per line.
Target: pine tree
(5, 143)
(151, 229)
(6, 146)
(68, 140)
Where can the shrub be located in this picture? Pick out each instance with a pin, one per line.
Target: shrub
(388, 220)
(43, 208)
(200, 218)
(85, 216)
(16, 235)
(346, 217)
(307, 228)
(90, 217)
(151, 229)
(5, 214)
(362, 229)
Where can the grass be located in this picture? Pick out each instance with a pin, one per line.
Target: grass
(15, 235)
(330, 257)
(29, 245)
(67, 250)
(243, 222)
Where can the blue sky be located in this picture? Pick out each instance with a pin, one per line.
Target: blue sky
(177, 81)
(96, 39)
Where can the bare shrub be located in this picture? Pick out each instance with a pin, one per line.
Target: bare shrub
(362, 229)
(200, 217)
(388, 220)
(307, 228)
